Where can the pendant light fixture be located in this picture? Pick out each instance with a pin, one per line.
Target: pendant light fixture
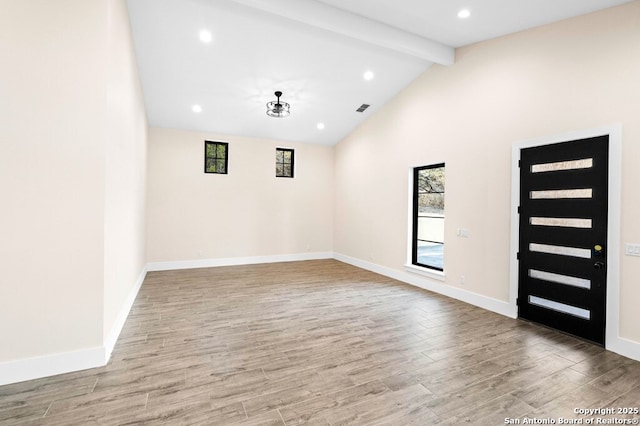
(278, 109)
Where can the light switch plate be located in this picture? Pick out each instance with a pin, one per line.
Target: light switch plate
(632, 250)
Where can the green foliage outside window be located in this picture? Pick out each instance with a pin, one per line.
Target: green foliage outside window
(216, 157)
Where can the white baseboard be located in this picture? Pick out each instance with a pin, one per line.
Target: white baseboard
(67, 362)
(619, 345)
(112, 338)
(234, 261)
(484, 302)
(51, 365)
(624, 347)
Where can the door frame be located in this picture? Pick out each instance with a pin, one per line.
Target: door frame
(612, 339)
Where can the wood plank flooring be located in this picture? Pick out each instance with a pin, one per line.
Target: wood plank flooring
(322, 343)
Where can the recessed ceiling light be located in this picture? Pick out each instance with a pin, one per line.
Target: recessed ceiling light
(206, 36)
(196, 108)
(464, 13)
(320, 126)
(368, 75)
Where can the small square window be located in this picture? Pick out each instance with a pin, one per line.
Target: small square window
(284, 162)
(216, 157)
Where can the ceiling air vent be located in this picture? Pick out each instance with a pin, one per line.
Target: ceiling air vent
(363, 107)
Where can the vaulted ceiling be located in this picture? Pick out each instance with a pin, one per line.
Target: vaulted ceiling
(315, 51)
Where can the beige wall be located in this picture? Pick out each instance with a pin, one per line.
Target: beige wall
(51, 176)
(125, 180)
(574, 75)
(248, 212)
(72, 148)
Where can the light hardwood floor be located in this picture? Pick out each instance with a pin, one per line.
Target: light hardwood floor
(322, 343)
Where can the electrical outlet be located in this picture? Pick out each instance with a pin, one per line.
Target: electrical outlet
(632, 250)
(461, 279)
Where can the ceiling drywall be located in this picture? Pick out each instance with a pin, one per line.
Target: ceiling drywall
(315, 51)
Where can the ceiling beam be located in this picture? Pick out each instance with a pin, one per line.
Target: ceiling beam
(320, 15)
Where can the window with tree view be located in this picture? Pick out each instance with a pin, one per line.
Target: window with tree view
(284, 162)
(428, 216)
(216, 157)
